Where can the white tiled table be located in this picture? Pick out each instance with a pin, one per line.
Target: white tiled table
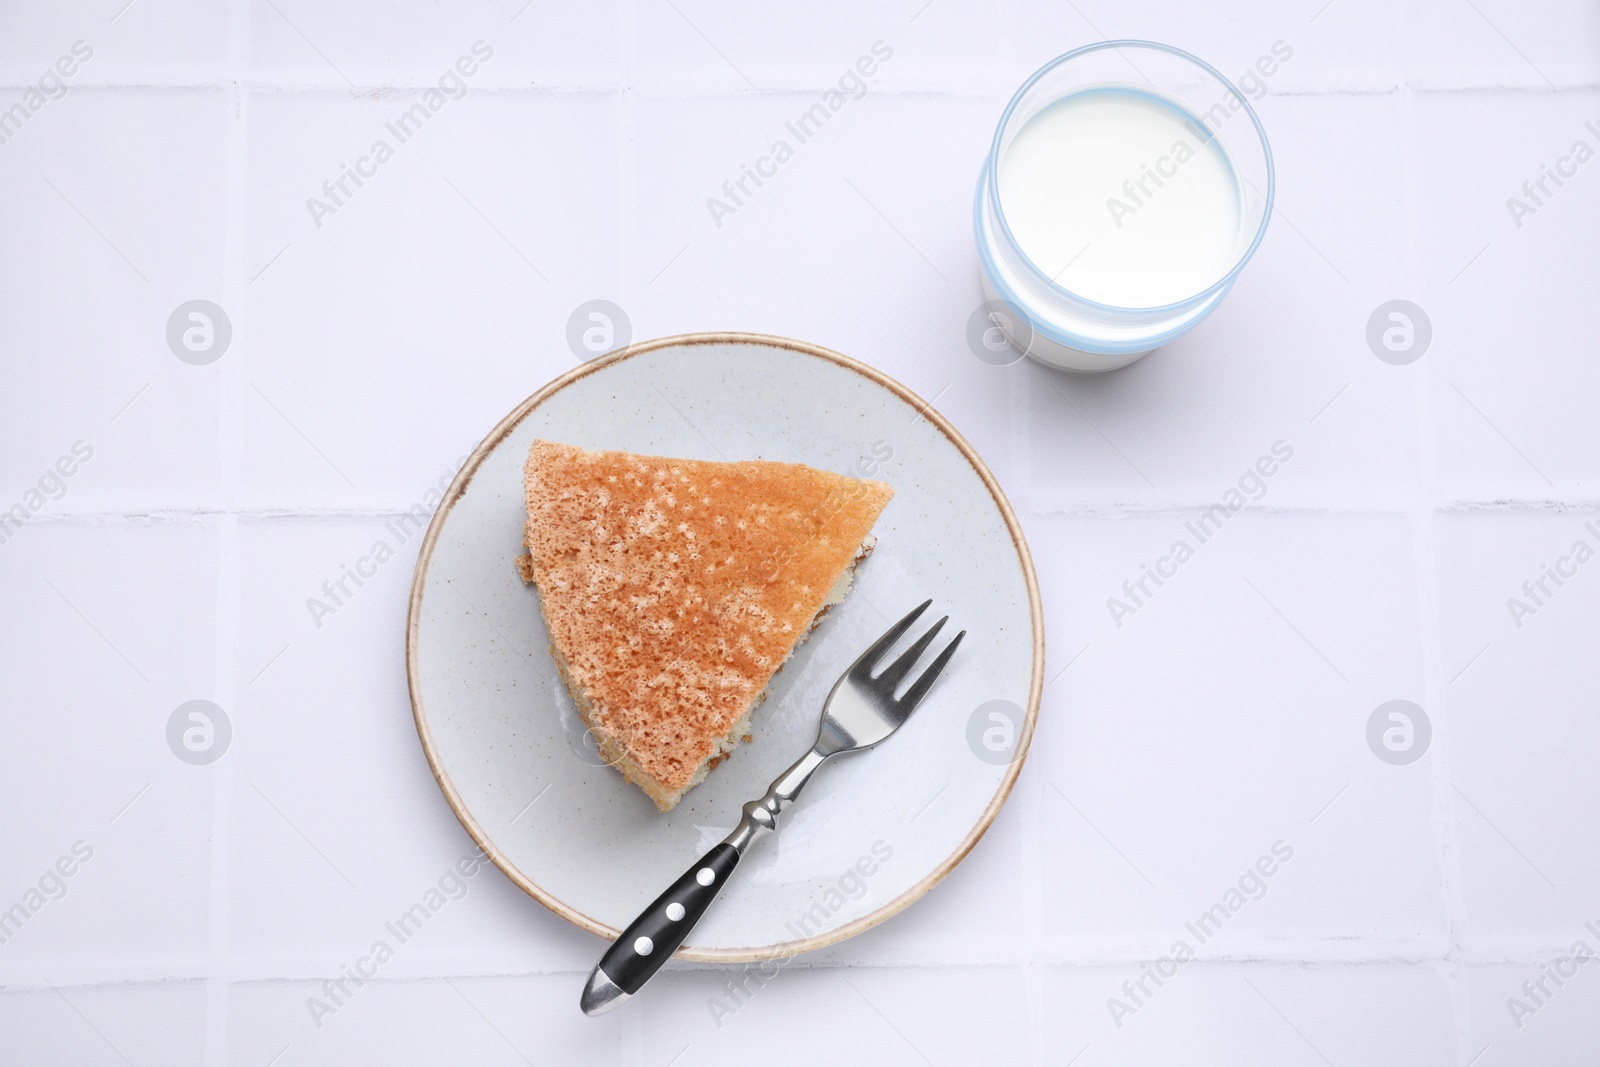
(370, 353)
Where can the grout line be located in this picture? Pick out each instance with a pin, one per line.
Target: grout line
(1322, 505)
(219, 965)
(689, 89)
(230, 448)
(1331, 952)
(1041, 507)
(627, 287)
(1018, 392)
(669, 87)
(1029, 793)
(1029, 789)
(1429, 622)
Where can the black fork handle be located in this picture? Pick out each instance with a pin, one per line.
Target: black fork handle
(659, 931)
(661, 928)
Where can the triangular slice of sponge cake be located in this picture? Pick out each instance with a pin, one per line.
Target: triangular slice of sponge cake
(675, 589)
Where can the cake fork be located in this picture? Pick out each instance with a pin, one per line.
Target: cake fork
(861, 710)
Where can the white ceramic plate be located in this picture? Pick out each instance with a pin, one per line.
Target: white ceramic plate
(874, 831)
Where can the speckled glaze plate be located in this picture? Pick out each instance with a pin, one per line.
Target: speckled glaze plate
(874, 831)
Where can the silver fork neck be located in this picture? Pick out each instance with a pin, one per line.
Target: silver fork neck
(761, 816)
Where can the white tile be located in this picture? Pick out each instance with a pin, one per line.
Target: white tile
(1222, 717)
(417, 44)
(712, 46)
(492, 1021)
(110, 630)
(1496, 43)
(1508, 378)
(338, 826)
(117, 220)
(1252, 1014)
(433, 300)
(1346, 45)
(796, 1016)
(156, 1022)
(1519, 723)
(117, 43)
(1529, 1026)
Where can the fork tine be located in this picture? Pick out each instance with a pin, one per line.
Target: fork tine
(919, 688)
(862, 667)
(892, 675)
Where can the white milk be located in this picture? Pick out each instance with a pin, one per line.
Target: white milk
(1122, 197)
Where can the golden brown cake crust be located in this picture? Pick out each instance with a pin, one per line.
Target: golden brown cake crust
(675, 589)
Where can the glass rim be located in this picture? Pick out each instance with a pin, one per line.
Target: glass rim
(992, 179)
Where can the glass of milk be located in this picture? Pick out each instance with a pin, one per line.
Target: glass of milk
(1127, 186)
